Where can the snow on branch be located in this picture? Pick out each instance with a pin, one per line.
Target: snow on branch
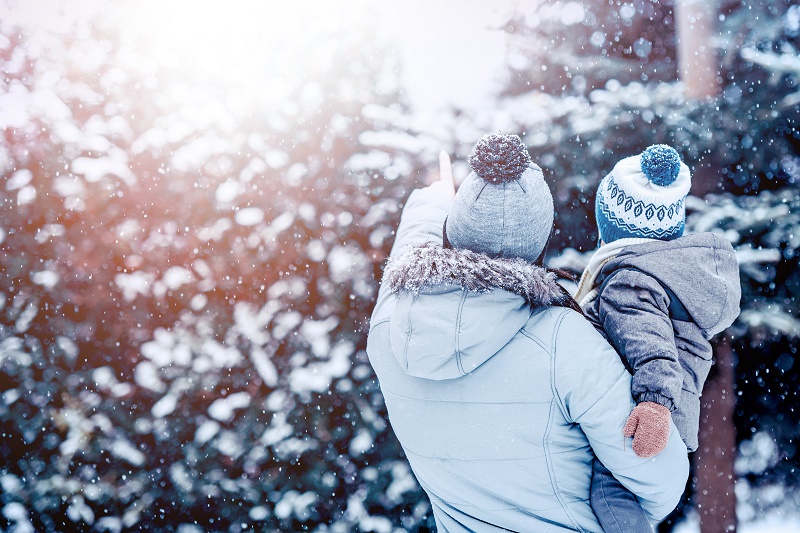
(788, 63)
(773, 318)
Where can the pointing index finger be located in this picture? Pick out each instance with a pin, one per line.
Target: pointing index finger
(446, 171)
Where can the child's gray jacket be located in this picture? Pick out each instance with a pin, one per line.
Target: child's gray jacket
(658, 304)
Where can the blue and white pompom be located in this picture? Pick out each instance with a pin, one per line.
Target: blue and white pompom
(661, 164)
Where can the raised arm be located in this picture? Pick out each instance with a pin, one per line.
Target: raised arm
(593, 388)
(425, 210)
(422, 219)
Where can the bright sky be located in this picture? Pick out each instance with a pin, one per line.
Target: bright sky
(450, 52)
(49, 14)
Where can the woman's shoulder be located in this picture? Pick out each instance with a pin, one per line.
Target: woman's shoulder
(554, 326)
(580, 356)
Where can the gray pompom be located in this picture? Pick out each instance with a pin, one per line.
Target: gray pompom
(499, 158)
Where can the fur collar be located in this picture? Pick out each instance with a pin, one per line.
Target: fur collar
(430, 264)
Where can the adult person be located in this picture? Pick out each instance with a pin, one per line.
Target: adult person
(499, 391)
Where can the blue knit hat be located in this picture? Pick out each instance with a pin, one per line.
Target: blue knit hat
(643, 197)
(504, 207)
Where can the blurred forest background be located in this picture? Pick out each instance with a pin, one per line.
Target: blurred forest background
(198, 199)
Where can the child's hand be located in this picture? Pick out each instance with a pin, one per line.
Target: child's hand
(648, 424)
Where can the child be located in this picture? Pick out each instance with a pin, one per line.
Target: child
(658, 297)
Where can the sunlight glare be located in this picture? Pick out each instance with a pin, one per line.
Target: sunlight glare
(246, 43)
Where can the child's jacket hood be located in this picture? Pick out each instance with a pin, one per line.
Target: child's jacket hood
(699, 269)
(457, 308)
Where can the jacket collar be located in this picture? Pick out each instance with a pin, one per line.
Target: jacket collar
(587, 286)
(430, 265)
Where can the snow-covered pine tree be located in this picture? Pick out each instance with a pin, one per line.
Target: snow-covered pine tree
(185, 290)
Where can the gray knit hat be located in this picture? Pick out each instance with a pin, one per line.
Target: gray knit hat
(504, 208)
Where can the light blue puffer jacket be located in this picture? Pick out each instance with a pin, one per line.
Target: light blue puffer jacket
(499, 406)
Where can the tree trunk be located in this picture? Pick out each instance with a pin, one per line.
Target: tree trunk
(696, 23)
(698, 68)
(714, 496)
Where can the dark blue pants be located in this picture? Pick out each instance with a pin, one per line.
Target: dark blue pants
(615, 507)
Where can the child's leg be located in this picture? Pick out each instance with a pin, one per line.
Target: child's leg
(615, 507)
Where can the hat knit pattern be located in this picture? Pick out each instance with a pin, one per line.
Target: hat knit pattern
(643, 197)
(503, 208)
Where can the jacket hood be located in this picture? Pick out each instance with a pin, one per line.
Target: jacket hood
(457, 308)
(700, 270)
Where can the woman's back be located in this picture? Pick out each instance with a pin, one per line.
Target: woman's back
(491, 447)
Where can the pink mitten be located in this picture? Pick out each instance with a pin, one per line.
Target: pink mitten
(648, 424)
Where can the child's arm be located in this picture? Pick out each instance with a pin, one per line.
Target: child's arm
(634, 312)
